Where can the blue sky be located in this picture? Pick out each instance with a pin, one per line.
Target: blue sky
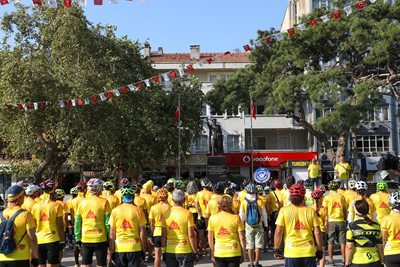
(215, 25)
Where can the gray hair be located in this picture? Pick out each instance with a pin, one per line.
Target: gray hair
(191, 188)
(155, 188)
(178, 196)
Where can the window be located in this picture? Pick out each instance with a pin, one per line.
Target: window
(379, 114)
(202, 143)
(372, 143)
(260, 109)
(316, 4)
(225, 76)
(259, 142)
(204, 109)
(333, 142)
(213, 78)
(322, 113)
(233, 143)
(287, 142)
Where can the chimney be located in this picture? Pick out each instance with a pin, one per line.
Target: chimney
(160, 51)
(194, 51)
(147, 49)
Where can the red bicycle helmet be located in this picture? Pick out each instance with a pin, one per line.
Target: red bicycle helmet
(81, 187)
(123, 181)
(48, 186)
(297, 190)
(322, 189)
(317, 194)
(278, 183)
(246, 182)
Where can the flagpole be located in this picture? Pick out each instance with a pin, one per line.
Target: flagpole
(251, 136)
(179, 133)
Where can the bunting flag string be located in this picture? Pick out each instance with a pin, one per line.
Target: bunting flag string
(165, 76)
(67, 3)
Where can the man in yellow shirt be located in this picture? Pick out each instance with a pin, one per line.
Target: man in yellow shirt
(381, 201)
(242, 194)
(298, 223)
(128, 231)
(391, 232)
(178, 229)
(212, 207)
(150, 202)
(48, 215)
(91, 225)
(122, 183)
(314, 173)
(201, 200)
(275, 203)
(31, 193)
(361, 188)
(81, 188)
(59, 195)
(108, 193)
(344, 171)
(24, 231)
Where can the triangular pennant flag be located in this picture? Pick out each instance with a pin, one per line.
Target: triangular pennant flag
(190, 68)
(94, 98)
(156, 79)
(200, 63)
(73, 101)
(142, 1)
(348, 10)
(82, 3)
(313, 22)
(42, 105)
(139, 84)
(258, 43)
(123, 88)
(67, 3)
(177, 112)
(9, 105)
(37, 2)
(53, 3)
(147, 82)
(247, 48)
(209, 60)
(325, 18)
(291, 32)
(360, 4)
(131, 87)
(20, 106)
(302, 27)
(372, 1)
(18, 1)
(113, 2)
(80, 102)
(62, 105)
(110, 95)
(227, 53)
(30, 106)
(337, 14)
(23, 105)
(165, 77)
(116, 92)
(98, 2)
(35, 105)
(268, 39)
(181, 71)
(218, 57)
(173, 74)
(102, 97)
(87, 101)
(237, 50)
(279, 36)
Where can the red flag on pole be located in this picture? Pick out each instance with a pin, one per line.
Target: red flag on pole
(178, 110)
(313, 22)
(253, 111)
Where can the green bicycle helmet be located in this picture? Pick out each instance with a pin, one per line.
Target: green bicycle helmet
(128, 191)
(382, 185)
(171, 181)
(260, 189)
(60, 193)
(108, 185)
(73, 191)
(179, 184)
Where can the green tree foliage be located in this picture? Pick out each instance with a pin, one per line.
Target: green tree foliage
(56, 54)
(361, 55)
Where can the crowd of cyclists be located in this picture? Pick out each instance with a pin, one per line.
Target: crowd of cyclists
(141, 222)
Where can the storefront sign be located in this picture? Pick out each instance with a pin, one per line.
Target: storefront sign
(262, 175)
(368, 163)
(266, 159)
(295, 164)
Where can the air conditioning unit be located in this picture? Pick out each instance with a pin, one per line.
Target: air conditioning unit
(363, 155)
(373, 125)
(324, 156)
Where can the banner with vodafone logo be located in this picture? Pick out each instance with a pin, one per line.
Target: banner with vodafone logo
(266, 159)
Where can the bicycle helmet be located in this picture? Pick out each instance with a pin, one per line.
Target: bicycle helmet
(352, 184)
(81, 187)
(246, 182)
(267, 190)
(230, 192)
(170, 187)
(300, 182)
(206, 183)
(162, 194)
(108, 186)
(171, 181)
(128, 191)
(219, 188)
(73, 191)
(179, 184)
(95, 185)
(123, 181)
(394, 200)
(333, 185)
(251, 188)
(382, 185)
(32, 189)
(297, 190)
(316, 194)
(322, 189)
(361, 185)
(278, 183)
(260, 189)
(142, 181)
(48, 186)
(308, 183)
(60, 193)
(128, 185)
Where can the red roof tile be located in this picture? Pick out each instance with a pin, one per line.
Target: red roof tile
(185, 57)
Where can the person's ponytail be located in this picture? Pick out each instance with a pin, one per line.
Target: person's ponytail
(368, 220)
(317, 206)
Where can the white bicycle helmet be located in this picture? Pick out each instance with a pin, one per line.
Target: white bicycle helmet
(352, 184)
(394, 199)
(267, 190)
(95, 185)
(31, 189)
(361, 185)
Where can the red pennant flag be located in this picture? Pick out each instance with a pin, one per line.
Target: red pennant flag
(268, 39)
(291, 32)
(177, 113)
(123, 88)
(360, 4)
(20, 106)
(336, 14)
(9, 105)
(68, 103)
(156, 79)
(42, 105)
(209, 60)
(247, 48)
(190, 68)
(227, 52)
(173, 74)
(98, 2)
(94, 98)
(55, 103)
(253, 111)
(30, 106)
(110, 95)
(4, 2)
(313, 22)
(37, 2)
(67, 3)
(139, 84)
(80, 103)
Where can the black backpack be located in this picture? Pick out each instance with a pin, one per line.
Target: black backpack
(7, 242)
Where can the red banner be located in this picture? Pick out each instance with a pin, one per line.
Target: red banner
(266, 159)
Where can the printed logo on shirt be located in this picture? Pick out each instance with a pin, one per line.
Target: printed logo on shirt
(161, 218)
(174, 226)
(90, 215)
(191, 200)
(126, 225)
(397, 236)
(383, 206)
(299, 226)
(205, 202)
(44, 218)
(337, 205)
(223, 231)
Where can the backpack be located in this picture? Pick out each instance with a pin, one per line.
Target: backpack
(7, 242)
(253, 217)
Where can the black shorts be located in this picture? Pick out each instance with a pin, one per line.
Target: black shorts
(179, 260)
(129, 259)
(49, 253)
(24, 263)
(392, 260)
(374, 264)
(100, 249)
(195, 216)
(157, 241)
(228, 262)
(201, 223)
(305, 262)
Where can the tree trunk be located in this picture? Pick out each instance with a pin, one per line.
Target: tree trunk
(38, 174)
(341, 147)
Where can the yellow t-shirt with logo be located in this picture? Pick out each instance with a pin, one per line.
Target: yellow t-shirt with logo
(335, 203)
(191, 202)
(371, 205)
(285, 197)
(28, 204)
(273, 200)
(93, 211)
(22, 223)
(243, 206)
(127, 220)
(156, 214)
(341, 191)
(343, 169)
(298, 224)
(118, 195)
(150, 200)
(212, 207)
(235, 206)
(170, 201)
(113, 201)
(45, 215)
(140, 202)
(323, 216)
(177, 221)
(382, 206)
(75, 202)
(242, 195)
(154, 193)
(202, 198)
(314, 170)
(65, 210)
(391, 225)
(226, 228)
(350, 197)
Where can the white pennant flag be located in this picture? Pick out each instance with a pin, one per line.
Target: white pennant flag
(279, 36)
(181, 71)
(218, 58)
(53, 3)
(165, 77)
(200, 63)
(131, 87)
(147, 82)
(325, 18)
(117, 93)
(82, 2)
(62, 104)
(348, 10)
(373, 1)
(87, 101)
(302, 27)
(237, 50)
(35, 105)
(142, 1)
(113, 2)
(102, 97)
(23, 105)
(18, 1)
(73, 101)
(258, 43)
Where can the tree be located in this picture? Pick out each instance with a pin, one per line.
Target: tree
(56, 54)
(361, 55)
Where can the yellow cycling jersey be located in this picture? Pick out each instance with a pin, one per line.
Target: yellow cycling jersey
(212, 207)
(45, 215)
(350, 196)
(274, 198)
(323, 216)
(140, 202)
(113, 201)
(381, 203)
(28, 204)
(371, 205)
(118, 195)
(191, 202)
(156, 214)
(260, 205)
(335, 203)
(391, 225)
(150, 200)
(242, 195)
(314, 170)
(202, 199)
